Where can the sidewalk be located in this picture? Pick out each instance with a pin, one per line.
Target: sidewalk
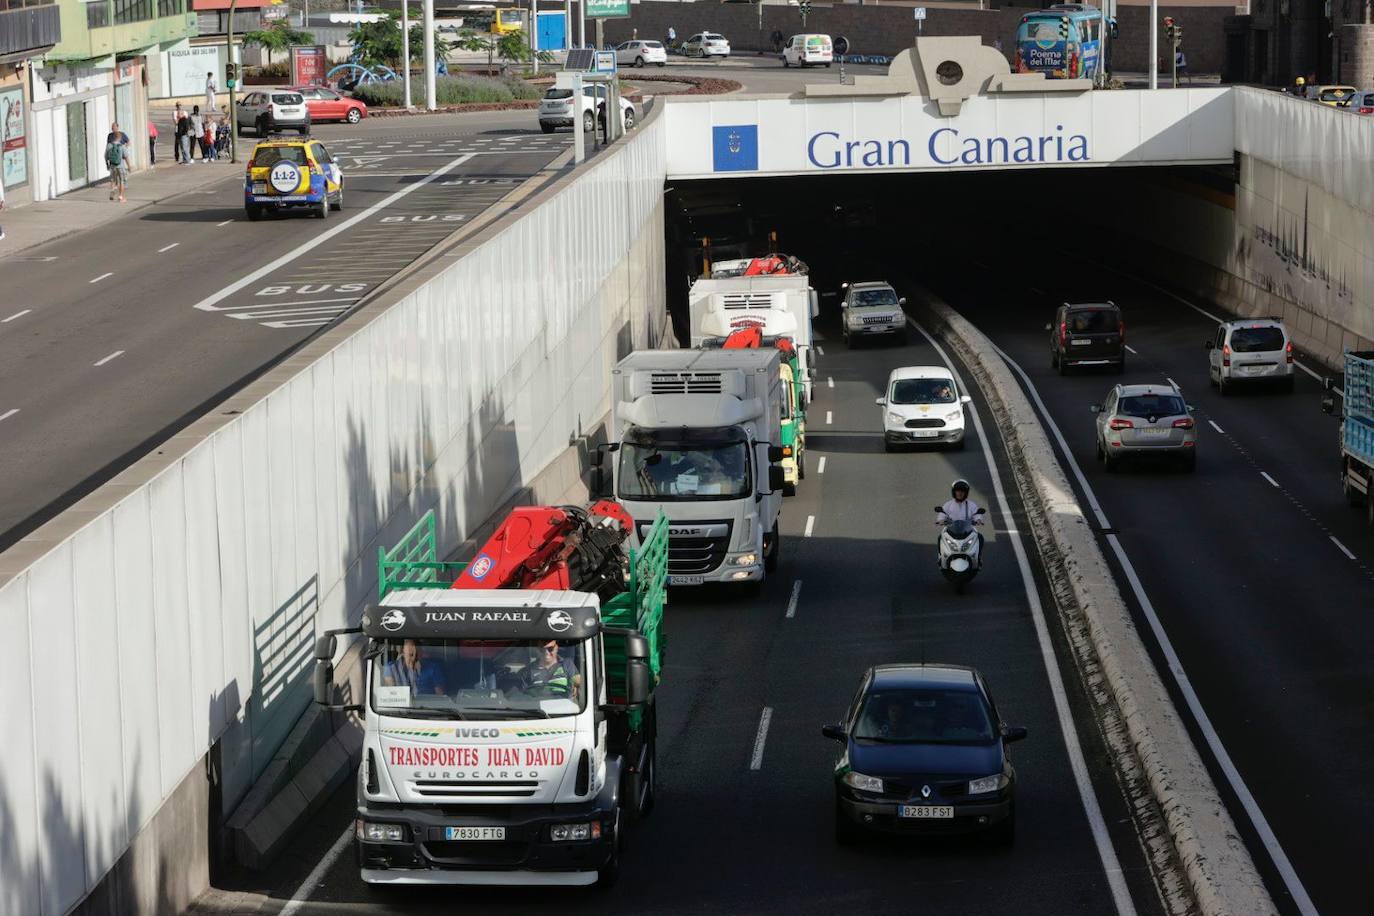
(36, 223)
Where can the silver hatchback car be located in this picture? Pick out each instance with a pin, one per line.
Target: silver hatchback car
(1145, 421)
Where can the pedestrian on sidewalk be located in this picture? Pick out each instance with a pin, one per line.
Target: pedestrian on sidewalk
(209, 92)
(117, 159)
(152, 142)
(211, 132)
(195, 131)
(672, 37)
(178, 131)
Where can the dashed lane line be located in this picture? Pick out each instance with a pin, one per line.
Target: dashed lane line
(820, 465)
(1130, 349)
(115, 355)
(166, 248)
(756, 762)
(1272, 481)
(1344, 549)
(225, 223)
(828, 418)
(103, 276)
(9, 413)
(14, 316)
(1213, 424)
(810, 526)
(792, 602)
(829, 382)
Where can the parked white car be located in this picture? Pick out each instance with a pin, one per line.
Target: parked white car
(808, 51)
(639, 53)
(922, 406)
(706, 44)
(556, 109)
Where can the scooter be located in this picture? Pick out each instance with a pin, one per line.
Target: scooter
(959, 550)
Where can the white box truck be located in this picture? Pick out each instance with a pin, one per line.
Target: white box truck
(695, 433)
(780, 305)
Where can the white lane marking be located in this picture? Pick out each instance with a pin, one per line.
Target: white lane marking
(829, 382)
(15, 315)
(115, 355)
(1217, 428)
(225, 223)
(1173, 383)
(1271, 843)
(9, 413)
(792, 602)
(1272, 481)
(208, 304)
(820, 465)
(756, 761)
(810, 525)
(1209, 733)
(1111, 866)
(1130, 349)
(820, 351)
(103, 276)
(828, 417)
(167, 248)
(316, 876)
(1344, 549)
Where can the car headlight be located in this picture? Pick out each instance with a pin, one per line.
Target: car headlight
(955, 414)
(863, 783)
(895, 418)
(381, 833)
(987, 784)
(745, 559)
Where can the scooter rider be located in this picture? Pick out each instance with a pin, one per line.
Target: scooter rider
(961, 508)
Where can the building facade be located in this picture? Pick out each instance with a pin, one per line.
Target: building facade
(28, 30)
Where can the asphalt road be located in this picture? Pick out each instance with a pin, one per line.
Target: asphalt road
(728, 838)
(1259, 572)
(133, 329)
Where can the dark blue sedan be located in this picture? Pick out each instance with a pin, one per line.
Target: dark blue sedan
(925, 753)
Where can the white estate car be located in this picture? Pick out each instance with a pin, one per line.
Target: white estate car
(639, 53)
(706, 44)
(556, 109)
(922, 405)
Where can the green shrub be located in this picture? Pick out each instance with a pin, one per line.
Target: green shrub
(450, 90)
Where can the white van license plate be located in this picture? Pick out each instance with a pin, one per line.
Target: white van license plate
(686, 580)
(927, 812)
(923, 433)
(474, 833)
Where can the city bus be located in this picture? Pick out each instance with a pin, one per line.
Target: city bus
(1062, 42)
(504, 21)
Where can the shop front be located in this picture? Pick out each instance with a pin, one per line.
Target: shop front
(14, 135)
(72, 110)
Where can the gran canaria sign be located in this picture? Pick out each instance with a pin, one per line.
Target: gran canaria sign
(829, 149)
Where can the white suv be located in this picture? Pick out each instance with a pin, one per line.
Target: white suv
(871, 309)
(556, 109)
(1250, 350)
(922, 405)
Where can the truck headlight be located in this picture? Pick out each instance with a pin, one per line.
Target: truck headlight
(863, 783)
(381, 833)
(745, 559)
(987, 784)
(574, 833)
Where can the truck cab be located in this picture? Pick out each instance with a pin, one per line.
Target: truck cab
(696, 436)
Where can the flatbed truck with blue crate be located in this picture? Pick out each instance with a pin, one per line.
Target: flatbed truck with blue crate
(1357, 431)
(509, 704)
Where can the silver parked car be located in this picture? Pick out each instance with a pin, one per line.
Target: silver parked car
(274, 109)
(1145, 421)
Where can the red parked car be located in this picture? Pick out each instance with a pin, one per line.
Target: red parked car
(324, 104)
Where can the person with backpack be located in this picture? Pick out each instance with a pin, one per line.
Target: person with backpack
(117, 161)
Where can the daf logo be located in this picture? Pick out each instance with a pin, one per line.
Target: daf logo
(684, 532)
(559, 621)
(393, 620)
(925, 791)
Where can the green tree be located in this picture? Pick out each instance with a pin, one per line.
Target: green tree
(380, 42)
(280, 36)
(514, 48)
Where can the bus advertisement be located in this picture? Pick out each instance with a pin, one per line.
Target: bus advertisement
(1062, 42)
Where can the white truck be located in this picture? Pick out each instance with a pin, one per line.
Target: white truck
(696, 435)
(778, 304)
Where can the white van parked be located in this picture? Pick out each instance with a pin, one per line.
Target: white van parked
(808, 50)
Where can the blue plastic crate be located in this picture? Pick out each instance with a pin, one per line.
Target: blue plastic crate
(1359, 439)
(1359, 385)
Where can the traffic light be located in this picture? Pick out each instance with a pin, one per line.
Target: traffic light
(231, 74)
(1169, 27)
(1178, 34)
(805, 7)
(1063, 28)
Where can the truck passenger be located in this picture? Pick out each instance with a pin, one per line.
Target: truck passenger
(413, 671)
(551, 675)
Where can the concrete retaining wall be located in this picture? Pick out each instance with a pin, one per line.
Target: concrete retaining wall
(1219, 868)
(170, 615)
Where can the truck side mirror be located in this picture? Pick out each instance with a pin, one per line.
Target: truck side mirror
(775, 453)
(776, 481)
(1328, 403)
(324, 680)
(637, 681)
(325, 646)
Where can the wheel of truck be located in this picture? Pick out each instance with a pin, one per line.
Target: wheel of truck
(789, 489)
(770, 559)
(608, 874)
(801, 465)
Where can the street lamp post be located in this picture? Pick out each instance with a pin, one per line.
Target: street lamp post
(229, 68)
(431, 89)
(1154, 44)
(405, 51)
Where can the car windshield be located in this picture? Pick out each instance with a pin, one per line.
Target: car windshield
(713, 37)
(271, 155)
(286, 98)
(478, 678)
(884, 296)
(1335, 95)
(1092, 321)
(924, 716)
(681, 470)
(922, 391)
(558, 94)
(1256, 340)
(1152, 405)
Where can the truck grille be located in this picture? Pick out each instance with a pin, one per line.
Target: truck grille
(746, 300)
(696, 556)
(924, 424)
(685, 383)
(474, 788)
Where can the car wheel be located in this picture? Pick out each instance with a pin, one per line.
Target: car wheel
(354, 115)
(1353, 497)
(889, 447)
(338, 199)
(263, 127)
(254, 212)
(789, 489)
(958, 445)
(771, 558)
(663, 63)
(1222, 388)
(801, 465)
(1109, 461)
(639, 62)
(322, 211)
(629, 120)
(588, 122)
(304, 129)
(827, 66)
(546, 128)
(1004, 834)
(847, 833)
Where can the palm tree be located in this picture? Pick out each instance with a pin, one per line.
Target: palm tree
(279, 37)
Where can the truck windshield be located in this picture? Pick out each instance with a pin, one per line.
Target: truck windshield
(478, 678)
(683, 471)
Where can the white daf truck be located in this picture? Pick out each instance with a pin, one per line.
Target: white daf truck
(778, 304)
(696, 435)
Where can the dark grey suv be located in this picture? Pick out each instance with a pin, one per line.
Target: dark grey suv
(1087, 334)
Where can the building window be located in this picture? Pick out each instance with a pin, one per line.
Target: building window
(97, 14)
(170, 8)
(127, 11)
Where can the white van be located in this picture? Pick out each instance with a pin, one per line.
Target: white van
(807, 50)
